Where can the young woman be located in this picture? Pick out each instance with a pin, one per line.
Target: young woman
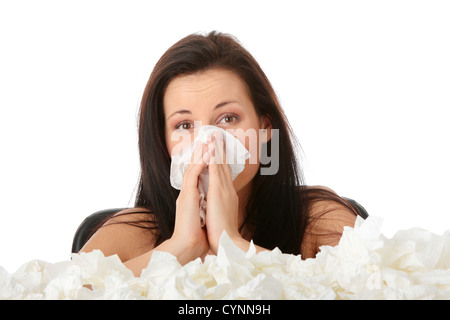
(213, 79)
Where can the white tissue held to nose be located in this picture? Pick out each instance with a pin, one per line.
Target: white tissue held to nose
(236, 156)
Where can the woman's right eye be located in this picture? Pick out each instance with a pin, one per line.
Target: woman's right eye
(183, 126)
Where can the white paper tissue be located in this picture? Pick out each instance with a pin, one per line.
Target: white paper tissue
(236, 155)
(414, 264)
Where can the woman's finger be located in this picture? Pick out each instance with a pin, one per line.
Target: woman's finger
(219, 148)
(195, 167)
(220, 152)
(218, 175)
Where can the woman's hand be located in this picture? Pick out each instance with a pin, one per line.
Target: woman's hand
(222, 199)
(188, 233)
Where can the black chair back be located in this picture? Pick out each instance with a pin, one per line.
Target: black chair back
(95, 220)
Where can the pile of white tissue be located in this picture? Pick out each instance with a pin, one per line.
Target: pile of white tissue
(413, 264)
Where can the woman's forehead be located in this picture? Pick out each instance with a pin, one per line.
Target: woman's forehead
(206, 88)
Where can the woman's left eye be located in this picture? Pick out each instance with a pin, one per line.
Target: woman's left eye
(229, 118)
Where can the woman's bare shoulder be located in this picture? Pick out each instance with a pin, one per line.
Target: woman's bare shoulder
(128, 234)
(329, 205)
(327, 219)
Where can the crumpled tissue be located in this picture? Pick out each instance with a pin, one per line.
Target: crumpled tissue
(236, 155)
(413, 264)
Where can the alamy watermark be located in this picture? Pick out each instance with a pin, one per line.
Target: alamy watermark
(255, 141)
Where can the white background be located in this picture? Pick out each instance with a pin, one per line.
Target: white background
(365, 85)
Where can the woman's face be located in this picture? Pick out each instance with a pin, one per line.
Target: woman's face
(215, 97)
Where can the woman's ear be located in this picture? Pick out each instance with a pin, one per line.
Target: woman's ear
(265, 132)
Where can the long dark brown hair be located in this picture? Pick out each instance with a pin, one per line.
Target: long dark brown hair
(278, 204)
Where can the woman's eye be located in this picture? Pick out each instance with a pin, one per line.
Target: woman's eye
(183, 125)
(229, 118)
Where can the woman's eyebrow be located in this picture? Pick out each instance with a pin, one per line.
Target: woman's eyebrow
(224, 104)
(179, 111)
(183, 111)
